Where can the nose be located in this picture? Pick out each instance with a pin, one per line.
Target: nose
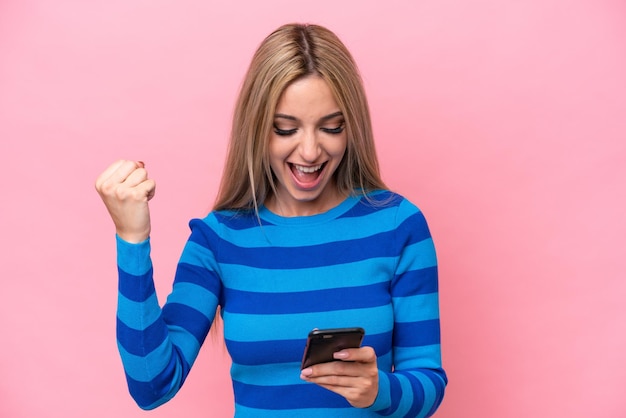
(309, 147)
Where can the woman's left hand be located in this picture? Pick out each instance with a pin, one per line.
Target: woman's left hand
(355, 377)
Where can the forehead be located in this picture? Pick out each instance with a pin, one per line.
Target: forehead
(307, 96)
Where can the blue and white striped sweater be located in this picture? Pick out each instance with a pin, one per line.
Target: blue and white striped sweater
(363, 264)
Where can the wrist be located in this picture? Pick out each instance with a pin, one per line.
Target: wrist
(133, 237)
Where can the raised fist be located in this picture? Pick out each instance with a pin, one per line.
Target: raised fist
(125, 190)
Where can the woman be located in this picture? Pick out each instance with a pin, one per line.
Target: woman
(303, 235)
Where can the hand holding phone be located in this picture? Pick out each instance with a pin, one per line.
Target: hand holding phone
(323, 343)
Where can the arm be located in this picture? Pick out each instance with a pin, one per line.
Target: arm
(417, 384)
(157, 346)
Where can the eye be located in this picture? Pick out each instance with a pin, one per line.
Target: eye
(284, 132)
(334, 131)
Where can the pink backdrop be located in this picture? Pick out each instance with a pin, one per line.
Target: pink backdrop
(505, 121)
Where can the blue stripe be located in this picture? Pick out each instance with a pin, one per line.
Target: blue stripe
(429, 392)
(140, 343)
(361, 273)
(196, 255)
(138, 315)
(415, 282)
(418, 255)
(378, 201)
(245, 412)
(242, 327)
(194, 296)
(395, 390)
(418, 395)
(346, 229)
(309, 256)
(199, 276)
(240, 301)
(407, 396)
(135, 288)
(266, 352)
(304, 395)
(184, 342)
(415, 228)
(134, 259)
(380, 342)
(203, 234)
(439, 380)
(411, 334)
(149, 395)
(195, 322)
(148, 367)
(297, 256)
(384, 360)
(423, 356)
(282, 373)
(417, 308)
(326, 233)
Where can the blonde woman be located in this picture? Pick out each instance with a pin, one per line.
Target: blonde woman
(304, 234)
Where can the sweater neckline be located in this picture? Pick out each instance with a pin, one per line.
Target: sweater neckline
(333, 213)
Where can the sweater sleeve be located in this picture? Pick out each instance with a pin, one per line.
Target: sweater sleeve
(416, 386)
(159, 345)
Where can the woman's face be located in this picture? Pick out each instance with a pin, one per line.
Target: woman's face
(306, 145)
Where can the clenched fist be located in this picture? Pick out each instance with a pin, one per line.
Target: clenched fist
(125, 190)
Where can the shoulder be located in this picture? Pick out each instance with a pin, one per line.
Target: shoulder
(217, 222)
(397, 211)
(228, 218)
(387, 199)
(381, 210)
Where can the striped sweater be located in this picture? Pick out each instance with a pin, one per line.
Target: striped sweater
(367, 263)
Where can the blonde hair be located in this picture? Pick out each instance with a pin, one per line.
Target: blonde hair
(289, 53)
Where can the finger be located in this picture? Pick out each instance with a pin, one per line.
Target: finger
(333, 368)
(337, 381)
(135, 177)
(107, 173)
(362, 354)
(139, 181)
(141, 192)
(151, 188)
(117, 173)
(124, 170)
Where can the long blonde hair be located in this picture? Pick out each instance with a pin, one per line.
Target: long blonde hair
(291, 52)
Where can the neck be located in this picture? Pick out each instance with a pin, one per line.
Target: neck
(284, 208)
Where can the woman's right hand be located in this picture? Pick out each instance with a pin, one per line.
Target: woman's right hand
(125, 190)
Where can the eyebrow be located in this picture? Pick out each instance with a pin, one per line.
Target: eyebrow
(322, 119)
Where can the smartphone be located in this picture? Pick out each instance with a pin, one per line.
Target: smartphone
(322, 343)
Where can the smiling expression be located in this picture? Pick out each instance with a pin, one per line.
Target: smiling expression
(306, 146)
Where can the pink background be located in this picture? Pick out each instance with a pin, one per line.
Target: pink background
(505, 121)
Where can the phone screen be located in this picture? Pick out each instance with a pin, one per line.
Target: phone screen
(322, 343)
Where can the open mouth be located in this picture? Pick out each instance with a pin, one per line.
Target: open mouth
(307, 176)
